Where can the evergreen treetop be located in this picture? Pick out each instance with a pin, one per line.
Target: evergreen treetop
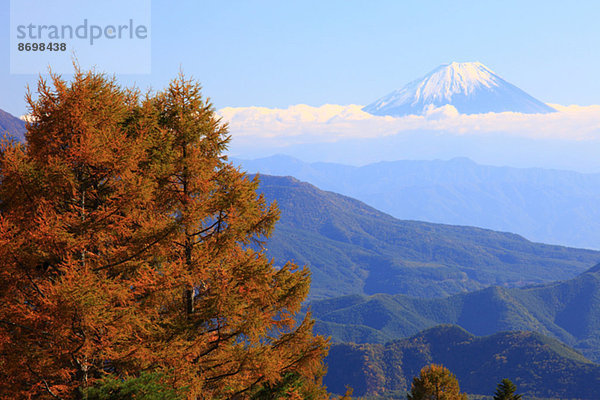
(506, 390)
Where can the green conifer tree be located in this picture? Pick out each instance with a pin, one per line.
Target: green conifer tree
(506, 391)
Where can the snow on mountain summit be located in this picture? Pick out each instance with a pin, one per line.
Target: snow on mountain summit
(470, 87)
(455, 78)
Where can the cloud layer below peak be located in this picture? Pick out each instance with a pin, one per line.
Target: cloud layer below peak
(329, 123)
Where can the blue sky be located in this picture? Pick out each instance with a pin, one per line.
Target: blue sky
(279, 53)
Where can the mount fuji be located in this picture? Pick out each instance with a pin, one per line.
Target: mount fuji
(470, 87)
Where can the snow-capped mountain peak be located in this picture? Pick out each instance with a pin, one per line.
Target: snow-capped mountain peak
(454, 78)
(470, 87)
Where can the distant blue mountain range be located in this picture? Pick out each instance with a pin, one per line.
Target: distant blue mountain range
(543, 205)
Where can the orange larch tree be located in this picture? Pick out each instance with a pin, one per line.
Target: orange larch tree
(74, 226)
(234, 334)
(435, 382)
(129, 244)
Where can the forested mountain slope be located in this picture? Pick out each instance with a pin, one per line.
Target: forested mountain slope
(352, 248)
(538, 365)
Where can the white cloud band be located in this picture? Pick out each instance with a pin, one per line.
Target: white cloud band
(328, 123)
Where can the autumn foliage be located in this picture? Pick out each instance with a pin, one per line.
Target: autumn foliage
(130, 245)
(435, 382)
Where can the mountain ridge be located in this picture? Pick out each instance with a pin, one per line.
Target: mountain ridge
(12, 125)
(567, 310)
(353, 248)
(543, 205)
(538, 365)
